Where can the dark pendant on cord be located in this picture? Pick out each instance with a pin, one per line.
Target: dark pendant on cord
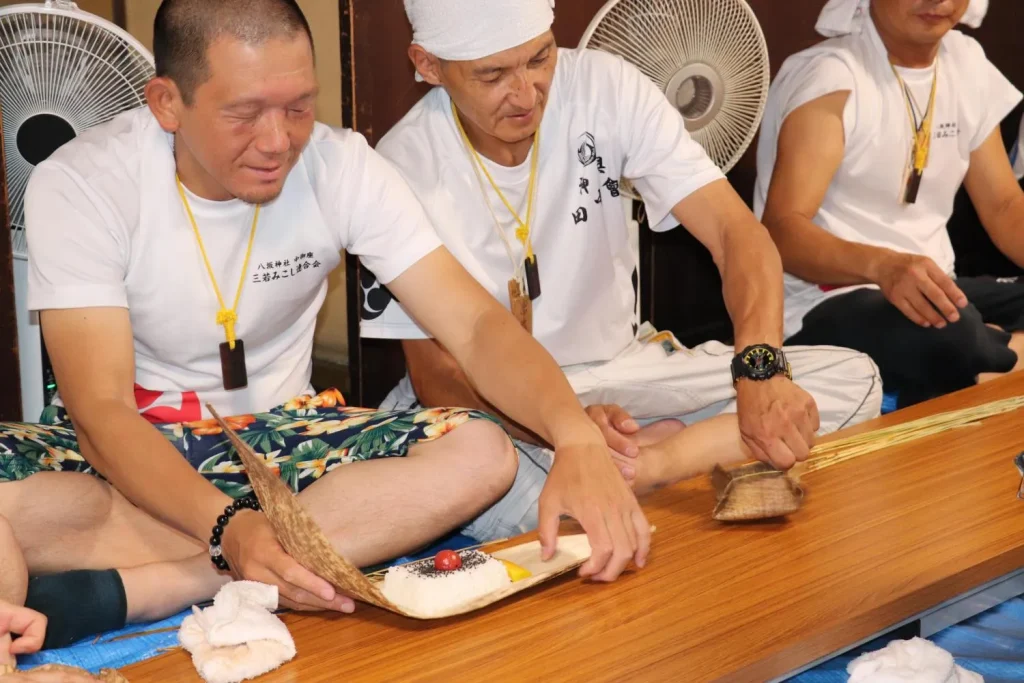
(913, 186)
(532, 277)
(232, 366)
(216, 552)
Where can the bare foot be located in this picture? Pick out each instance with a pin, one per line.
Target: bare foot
(690, 452)
(162, 589)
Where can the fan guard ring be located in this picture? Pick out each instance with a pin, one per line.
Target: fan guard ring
(62, 71)
(709, 57)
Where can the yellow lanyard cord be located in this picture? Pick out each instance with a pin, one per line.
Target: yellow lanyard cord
(922, 133)
(227, 317)
(523, 231)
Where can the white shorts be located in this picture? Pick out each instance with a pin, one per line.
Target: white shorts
(660, 379)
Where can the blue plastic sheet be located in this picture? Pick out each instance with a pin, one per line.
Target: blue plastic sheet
(991, 644)
(108, 652)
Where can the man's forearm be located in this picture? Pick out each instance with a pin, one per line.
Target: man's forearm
(140, 463)
(509, 369)
(752, 286)
(811, 253)
(1007, 231)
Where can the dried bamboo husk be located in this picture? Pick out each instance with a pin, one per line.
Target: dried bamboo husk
(758, 491)
(104, 676)
(304, 541)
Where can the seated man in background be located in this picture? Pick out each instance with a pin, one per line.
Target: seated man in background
(866, 140)
(140, 231)
(517, 157)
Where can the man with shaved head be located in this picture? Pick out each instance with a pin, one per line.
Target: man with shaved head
(179, 258)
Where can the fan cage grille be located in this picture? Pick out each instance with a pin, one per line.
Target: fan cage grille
(661, 37)
(68, 65)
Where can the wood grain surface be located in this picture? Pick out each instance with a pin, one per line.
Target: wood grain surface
(879, 539)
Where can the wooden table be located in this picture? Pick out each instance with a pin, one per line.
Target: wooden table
(879, 540)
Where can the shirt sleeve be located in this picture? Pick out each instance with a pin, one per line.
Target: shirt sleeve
(375, 213)
(661, 158)
(817, 78)
(994, 95)
(78, 247)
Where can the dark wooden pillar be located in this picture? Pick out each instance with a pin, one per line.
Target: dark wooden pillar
(10, 375)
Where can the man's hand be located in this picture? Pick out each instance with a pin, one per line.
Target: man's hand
(585, 484)
(253, 553)
(617, 426)
(778, 420)
(919, 288)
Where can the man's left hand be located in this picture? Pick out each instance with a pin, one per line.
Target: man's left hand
(778, 420)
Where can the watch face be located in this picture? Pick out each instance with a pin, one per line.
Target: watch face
(760, 360)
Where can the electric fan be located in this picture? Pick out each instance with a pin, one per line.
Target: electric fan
(62, 70)
(708, 56)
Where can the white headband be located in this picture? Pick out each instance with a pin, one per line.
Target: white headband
(842, 17)
(464, 30)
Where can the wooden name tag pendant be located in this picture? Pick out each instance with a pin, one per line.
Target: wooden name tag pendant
(522, 307)
(232, 366)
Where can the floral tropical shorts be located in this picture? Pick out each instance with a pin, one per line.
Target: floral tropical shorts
(302, 440)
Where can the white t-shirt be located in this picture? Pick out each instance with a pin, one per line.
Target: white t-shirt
(862, 203)
(107, 228)
(604, 121)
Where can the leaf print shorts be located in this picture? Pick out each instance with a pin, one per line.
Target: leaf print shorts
(302, 440)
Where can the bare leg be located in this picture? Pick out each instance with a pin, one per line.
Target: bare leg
(13, 571)
(691, 452)
(1017, 344)
(384, 508)
(371, 510)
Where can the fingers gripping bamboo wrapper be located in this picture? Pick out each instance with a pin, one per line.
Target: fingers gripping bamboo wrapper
(304, 541)
(758, 491)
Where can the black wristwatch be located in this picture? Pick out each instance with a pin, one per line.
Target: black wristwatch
(760, 362)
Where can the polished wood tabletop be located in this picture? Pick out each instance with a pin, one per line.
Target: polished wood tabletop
(879, 539)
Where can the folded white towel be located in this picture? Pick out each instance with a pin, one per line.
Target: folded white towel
(238, 637)
(464, 30)
(904, 661)
(842, 17)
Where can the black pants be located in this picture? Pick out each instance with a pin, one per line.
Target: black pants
(917, 362)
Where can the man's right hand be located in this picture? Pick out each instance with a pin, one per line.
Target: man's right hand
(253, 553)
(918, 287)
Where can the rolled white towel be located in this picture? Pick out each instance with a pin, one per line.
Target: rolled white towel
(905, 661)
(238, 637)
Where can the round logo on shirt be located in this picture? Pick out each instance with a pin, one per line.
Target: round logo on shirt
(586, 149)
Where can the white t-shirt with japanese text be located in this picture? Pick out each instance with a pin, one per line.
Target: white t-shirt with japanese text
(107, 228)
(604, 121)
(863, 202)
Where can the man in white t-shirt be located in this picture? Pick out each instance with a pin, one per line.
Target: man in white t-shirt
(551, 219)
(140, 232)
(860, 218)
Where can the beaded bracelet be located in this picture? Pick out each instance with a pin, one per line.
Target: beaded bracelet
(216, 552)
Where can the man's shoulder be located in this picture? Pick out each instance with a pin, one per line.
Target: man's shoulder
(115, 148)
(415, 138)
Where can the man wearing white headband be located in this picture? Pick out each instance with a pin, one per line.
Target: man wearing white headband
(866, 140)
(518, 159)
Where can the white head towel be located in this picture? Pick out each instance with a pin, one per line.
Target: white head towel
(464, 30)
(901, 661)
(238, 637)
(842, 17)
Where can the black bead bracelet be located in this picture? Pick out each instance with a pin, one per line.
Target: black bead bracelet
(216, 552)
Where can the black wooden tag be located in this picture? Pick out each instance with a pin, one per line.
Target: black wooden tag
(532, 278)
(232, 366)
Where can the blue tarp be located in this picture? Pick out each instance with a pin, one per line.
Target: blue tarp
(107, 652)
(991, 644)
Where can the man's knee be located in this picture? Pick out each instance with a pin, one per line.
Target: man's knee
(969, 347)
(490, 456)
